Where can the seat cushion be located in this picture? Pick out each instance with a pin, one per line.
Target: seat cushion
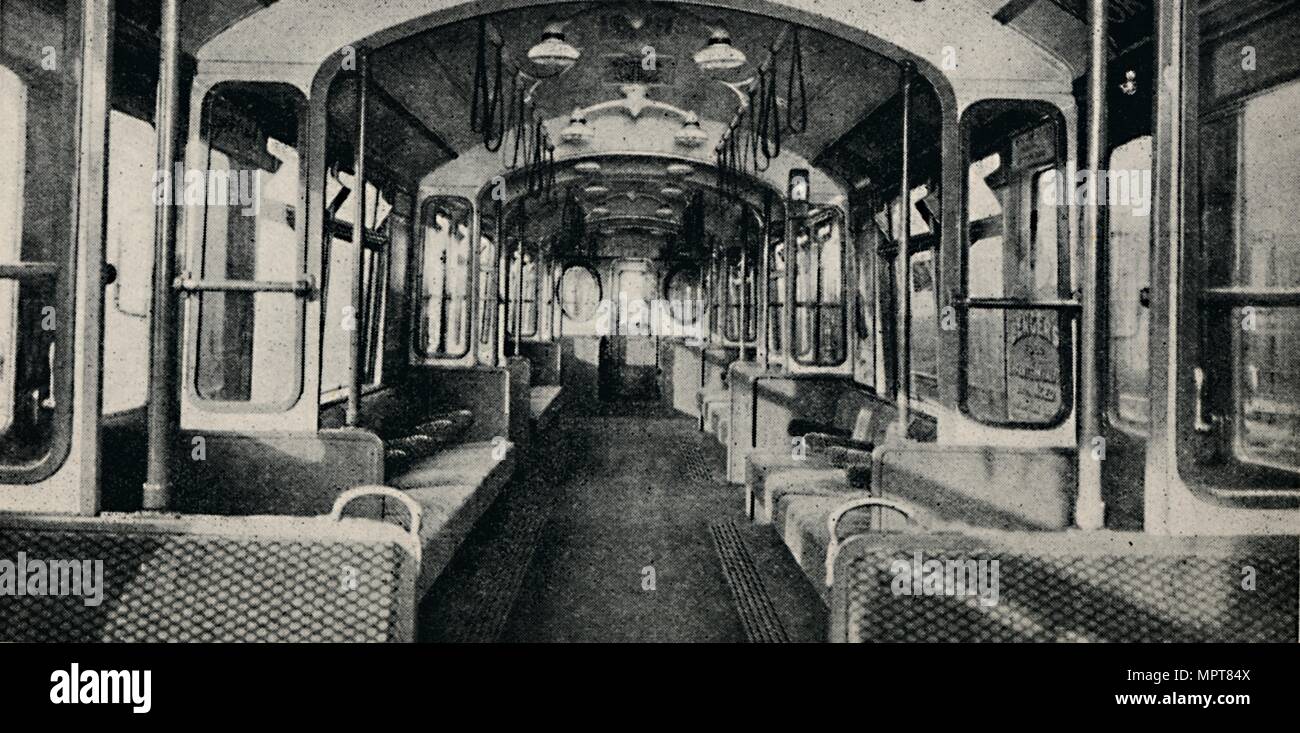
(448, 515)
(760, 463)
(467, 463)
(802, 481)
(801, 522)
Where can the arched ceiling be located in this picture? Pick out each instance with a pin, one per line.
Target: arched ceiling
(423, 55)
(432, 72)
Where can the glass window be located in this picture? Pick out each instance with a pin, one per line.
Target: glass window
(579, 293)
(1130, 276)
(637, 285)
(39, 134)
(924, 328)
(13, 149)
(819, 298)
(524, 288)
(1266, 354)
(1017, 368)
(341, 316)
(443, 318)
(776, 298)
(129, 249)
(488, 296)
(248, 342)
(865, 316)
(685, 295)
(733, 295)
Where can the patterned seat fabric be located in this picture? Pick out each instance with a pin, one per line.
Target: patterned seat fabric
(1057, 586)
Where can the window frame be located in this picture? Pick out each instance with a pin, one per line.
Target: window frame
(776, 295)
(307, 288)
(839, 220)
(523, 302)
(374, 307)
(697, 285)
(419, 340)
(559, 289)
(867, 332)
(1065, 308)
(1207, 425)
(61, 267)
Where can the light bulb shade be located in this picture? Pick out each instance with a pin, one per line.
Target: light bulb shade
(718, 54)
(665, 212)
(553, 51)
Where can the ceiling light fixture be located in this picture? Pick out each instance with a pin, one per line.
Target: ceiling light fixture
(678, 169)
(587, 166)
(578, 132)
(718, 54)
(553, 51)
(665, 212)
(691, 136)
(596, 190)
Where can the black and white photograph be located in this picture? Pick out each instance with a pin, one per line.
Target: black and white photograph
(698, 322)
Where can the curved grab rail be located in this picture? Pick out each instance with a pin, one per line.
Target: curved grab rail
(412, 507)
(833, 524)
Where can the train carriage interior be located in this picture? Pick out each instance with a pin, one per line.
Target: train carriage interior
(653, 320)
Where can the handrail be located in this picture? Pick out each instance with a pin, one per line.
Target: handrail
(28, 270)
(413, 507)
(1018, 304)
(1239, 295)
(305, 285)
(833, 523)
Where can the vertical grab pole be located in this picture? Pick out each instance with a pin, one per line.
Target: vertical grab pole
(715, 294)
(744, 296)
(903, 383)
(498, 270)
(519, 299)
(358, 239)
(162, 361)
(790, 310)
(764, 304)
(1090, 508)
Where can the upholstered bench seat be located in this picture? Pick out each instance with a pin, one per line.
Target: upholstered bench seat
(762, 464)
(801, 522)
(453, 487)
(799, 481)
(471, 464)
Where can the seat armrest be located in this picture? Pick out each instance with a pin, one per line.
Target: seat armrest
(845, 458)
(820, 442)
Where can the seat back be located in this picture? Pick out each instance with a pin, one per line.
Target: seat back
(1063, 586)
